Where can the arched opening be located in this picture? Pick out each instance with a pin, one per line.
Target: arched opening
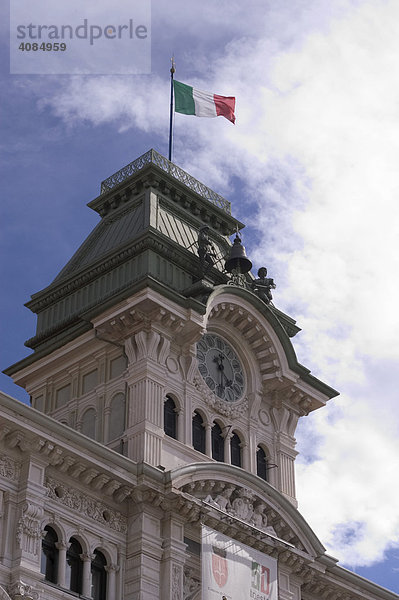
(89, 423)
(49, 559)
(236, 451)
(261, 463)
(170, 417)
(198, 433)
(98, 576)
(217, 443)
(74, 567)
(117, 417)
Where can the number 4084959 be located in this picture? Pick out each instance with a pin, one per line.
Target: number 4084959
(44, 46)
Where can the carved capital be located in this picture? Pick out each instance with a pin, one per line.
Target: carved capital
(22, 591)
(86, 557)
(112, 568)
(62, 545)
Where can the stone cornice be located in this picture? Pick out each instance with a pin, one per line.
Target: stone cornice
(28, 429)
(68, 334)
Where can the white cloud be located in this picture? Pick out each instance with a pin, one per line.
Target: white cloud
(354, 471)
(316, 145)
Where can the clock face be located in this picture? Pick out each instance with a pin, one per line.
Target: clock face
(220, 367)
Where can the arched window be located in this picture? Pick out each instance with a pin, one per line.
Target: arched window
(74, 567)
(49, 561)
(98, 576)
(261, 463)
(198, 433)
(89, 423)
(235, 446)
(217, 443)
(170, 418)
(117, 417)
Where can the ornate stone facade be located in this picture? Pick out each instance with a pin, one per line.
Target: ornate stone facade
(86, 506)
(122, 488)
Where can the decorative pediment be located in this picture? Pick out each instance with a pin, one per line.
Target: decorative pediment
(243, 505)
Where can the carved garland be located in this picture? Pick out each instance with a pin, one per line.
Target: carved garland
(233, 410)
(86, 506)
(9, 468)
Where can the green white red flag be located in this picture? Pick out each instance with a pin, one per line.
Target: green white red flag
(190, 101)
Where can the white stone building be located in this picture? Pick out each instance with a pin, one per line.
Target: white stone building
(165, 396)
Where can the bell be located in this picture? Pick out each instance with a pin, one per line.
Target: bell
(238, 260)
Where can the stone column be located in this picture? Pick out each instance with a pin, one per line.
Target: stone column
(227, 448)
(62, 548)
(245, 458)
(208, 439)
(86, 578)
(180, 422)
(111, 581)
(107, 412)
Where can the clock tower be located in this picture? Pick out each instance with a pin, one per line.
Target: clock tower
(144, 325)
(166, 394)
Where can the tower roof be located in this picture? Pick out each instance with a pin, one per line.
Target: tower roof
(151, 212)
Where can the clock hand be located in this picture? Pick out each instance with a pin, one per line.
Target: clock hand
(220, 366)
(228, 381)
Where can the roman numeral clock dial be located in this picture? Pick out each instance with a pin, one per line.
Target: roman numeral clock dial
(220, 367)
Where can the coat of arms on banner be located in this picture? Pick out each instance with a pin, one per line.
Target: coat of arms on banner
(220, 570)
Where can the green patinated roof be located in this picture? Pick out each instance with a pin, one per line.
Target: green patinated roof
(111, 233)
(151, 212)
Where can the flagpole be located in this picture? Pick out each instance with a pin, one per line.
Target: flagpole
(172, 70)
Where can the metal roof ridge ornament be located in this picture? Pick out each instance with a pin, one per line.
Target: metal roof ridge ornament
(153, 157)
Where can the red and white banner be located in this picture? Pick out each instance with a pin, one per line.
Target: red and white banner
(232, 571)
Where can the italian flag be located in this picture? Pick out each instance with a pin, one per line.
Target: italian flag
(202, 104)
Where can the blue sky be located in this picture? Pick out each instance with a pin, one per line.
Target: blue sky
(310, 167)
